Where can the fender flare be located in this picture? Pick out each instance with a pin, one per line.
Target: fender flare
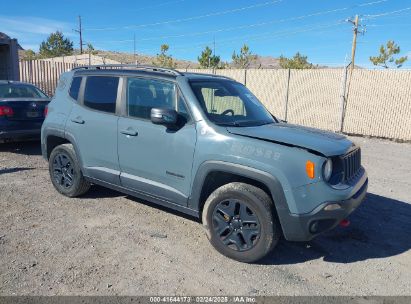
(45, 133)
(70, 137)
(270, 181)
(62, 134)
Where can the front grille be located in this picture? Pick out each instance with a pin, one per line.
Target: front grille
(351, 164)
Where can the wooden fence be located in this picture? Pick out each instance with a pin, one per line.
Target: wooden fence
(44, 74)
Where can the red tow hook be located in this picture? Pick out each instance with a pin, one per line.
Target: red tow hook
(345, 223)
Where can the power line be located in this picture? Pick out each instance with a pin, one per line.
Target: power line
(273, 34)
(391, 17)
(388, 24)
(320, 13)
(372, 3)
(268, 35)
(248, 38)
(238, 27)
(366, 17)
(218, 13)
(286, 32)
(159, 5)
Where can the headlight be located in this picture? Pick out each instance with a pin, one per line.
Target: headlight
(327, 170)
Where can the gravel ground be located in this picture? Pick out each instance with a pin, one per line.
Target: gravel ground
(107, 243)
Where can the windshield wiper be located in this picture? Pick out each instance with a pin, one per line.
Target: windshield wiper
(262, 123)
(229, 124)
(246, 123)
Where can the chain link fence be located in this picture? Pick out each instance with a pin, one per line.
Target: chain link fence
(378, 104)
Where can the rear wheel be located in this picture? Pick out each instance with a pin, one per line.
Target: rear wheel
(240, 222)
(65, 172)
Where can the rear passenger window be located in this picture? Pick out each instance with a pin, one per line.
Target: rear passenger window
(75, 87)
(101, 93)
(145, 94)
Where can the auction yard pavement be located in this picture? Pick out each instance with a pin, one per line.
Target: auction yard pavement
(107, 243)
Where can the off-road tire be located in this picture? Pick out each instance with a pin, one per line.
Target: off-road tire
(259, 204)
(79, 184)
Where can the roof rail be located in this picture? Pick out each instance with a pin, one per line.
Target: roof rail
(133, 66)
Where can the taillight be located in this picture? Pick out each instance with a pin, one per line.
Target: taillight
(46, 110)
(6, 111)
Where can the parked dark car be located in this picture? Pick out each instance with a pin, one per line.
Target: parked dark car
(22, 111)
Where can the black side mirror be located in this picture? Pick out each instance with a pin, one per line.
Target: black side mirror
(166, 117)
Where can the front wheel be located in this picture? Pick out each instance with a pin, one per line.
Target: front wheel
(65, 172)
(240, 222)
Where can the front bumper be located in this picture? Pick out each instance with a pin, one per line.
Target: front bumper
(306, 226)
(20, 134)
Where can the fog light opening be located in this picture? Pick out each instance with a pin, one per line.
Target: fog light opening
(314, 227)
(318, 226)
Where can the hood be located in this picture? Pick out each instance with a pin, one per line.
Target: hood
(323, 142)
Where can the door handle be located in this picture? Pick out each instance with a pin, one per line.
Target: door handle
(129, 132)
(78, 120)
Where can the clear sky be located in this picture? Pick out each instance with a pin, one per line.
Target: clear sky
(316, 28)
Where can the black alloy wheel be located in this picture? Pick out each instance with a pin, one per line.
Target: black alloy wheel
(236, 225)
(241, 222)
(63, 170)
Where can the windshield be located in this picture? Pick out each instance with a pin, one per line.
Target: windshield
(13, 90)
(230, 103)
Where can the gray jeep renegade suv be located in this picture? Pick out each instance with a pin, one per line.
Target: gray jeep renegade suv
(203, 145)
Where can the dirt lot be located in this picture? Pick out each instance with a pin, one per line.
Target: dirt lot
(107, 243)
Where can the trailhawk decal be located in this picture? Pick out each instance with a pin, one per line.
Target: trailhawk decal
(238, 148)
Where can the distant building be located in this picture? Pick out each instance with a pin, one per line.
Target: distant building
(9, 58)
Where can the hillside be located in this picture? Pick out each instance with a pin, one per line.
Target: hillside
(262, 62)
(129, 58)
(266, 62)
(142, 59)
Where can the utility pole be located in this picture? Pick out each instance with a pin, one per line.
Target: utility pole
(214, 54)
(214, 46)
(134, 49)
(354, 41)
(346, 90)
(80, 32)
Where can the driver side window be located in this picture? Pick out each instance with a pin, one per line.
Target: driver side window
(217, 101)
(145, 94)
